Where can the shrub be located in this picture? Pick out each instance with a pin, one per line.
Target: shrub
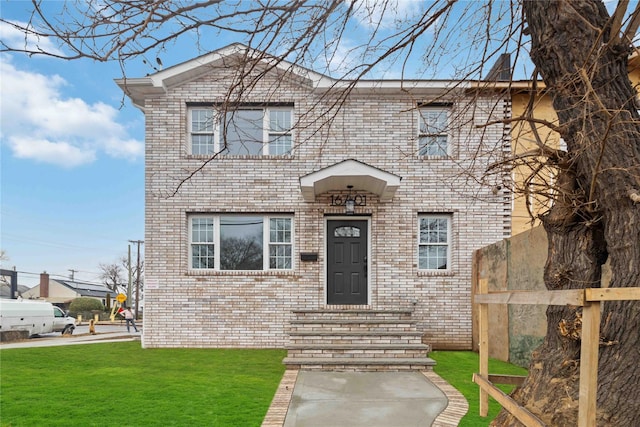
(84, 305)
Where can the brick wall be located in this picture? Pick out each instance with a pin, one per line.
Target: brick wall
(226, 309)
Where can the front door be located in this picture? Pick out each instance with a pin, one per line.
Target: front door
(347, 262)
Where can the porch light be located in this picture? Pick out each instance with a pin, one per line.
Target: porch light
(349, 201)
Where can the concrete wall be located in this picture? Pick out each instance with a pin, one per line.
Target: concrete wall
(512, 264)
(516, 263)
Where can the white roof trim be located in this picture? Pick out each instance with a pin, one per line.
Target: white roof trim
(155, 85)
(362, 176)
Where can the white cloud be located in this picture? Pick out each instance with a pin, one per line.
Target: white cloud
(40, 123)
(59, 153)
(386, 14)
(15, 38)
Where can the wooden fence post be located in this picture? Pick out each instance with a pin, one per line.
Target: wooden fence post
(589, 364)
(483, 344)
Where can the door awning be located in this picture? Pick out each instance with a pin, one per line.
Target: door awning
(361, 176)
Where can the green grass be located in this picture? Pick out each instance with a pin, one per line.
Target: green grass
(457, 368)
(122, 384)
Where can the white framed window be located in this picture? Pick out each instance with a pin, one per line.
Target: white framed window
(243, 242)
(201, 131)
(254, 131)
(433, 124)
(434, 242)
(202, 242)
(280, 243)
(279, 134)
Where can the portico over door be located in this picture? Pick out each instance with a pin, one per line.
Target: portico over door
(347, 266)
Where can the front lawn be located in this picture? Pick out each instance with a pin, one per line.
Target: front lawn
(457, 368)
(124, 385)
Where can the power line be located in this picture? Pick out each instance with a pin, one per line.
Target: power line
(65, 277)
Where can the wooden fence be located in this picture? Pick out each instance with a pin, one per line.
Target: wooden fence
(590, 300)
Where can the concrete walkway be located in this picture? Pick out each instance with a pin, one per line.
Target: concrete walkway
(372, 399)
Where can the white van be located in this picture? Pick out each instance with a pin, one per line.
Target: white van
(35, 317)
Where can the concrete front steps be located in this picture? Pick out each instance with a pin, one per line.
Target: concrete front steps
(356, 340)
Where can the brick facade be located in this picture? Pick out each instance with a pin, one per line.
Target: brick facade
(378, 127)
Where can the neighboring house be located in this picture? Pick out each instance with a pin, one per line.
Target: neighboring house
(5, 290)
(528, 206)
(62, 292)
(370, 208)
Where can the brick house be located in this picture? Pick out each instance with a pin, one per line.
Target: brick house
(373, 208)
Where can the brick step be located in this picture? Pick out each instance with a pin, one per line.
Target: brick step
(342, 328)
(361, 333)
(395, 352)
(351, 342)
(356, 338)
(360, 364)
(423, 347)
(338, 321)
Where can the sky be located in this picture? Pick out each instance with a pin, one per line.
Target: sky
(72, 145)
(72, 165)
(72, 156)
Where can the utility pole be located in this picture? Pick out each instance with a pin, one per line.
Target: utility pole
(137, 242)
(129, 268)
(73, 272)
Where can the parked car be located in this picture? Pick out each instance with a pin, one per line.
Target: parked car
(35, 317)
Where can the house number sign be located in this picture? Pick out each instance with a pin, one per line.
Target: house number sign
(341, 200)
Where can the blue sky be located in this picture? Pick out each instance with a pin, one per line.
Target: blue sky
(72, 158)
(72, 147)
(72, 165)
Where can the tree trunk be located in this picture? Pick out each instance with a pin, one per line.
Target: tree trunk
(585, 70)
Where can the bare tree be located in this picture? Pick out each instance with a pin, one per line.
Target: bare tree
(580, 51)
(112, 274)
(116, 274)
(596, 214)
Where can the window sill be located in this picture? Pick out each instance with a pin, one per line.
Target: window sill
(433, 273)
(240, 157)
(200, 273)
(447, 157)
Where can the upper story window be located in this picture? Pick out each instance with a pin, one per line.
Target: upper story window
(241, 242)
(433, 123)
(434, 242)
(257, 131)
(201, 126)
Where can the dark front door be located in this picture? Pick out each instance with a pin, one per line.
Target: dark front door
(346, 262)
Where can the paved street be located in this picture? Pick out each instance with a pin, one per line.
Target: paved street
(107, 332)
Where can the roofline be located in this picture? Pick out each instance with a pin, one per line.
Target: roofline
(156, 85)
